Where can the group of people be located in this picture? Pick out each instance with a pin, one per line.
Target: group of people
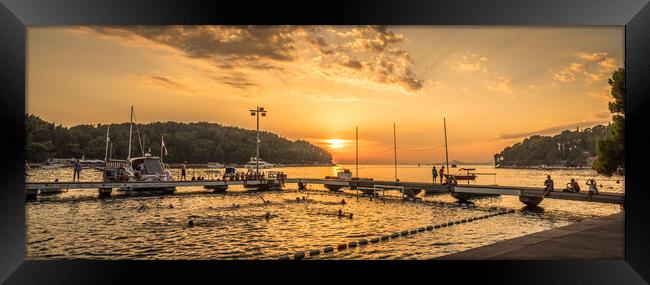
(572, 187)
(434, 173)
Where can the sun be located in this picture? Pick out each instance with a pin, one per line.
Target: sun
(335, 144)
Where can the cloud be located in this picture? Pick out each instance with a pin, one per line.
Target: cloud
(552, 130)
(591, 67)
(370, 51)
(499, 83)
(164, 81)
(466, 61)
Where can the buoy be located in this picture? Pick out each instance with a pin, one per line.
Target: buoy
(191, 223)
(414, 231)
(405, 233)
(299, 255)
(463, 221)
(350, 215)
(352, 244)
(450, 223)
(171, 206)
(314, 252)
(384, 237)
(267, 215)
(435, 227)
(340, 213)
(342, 246)
(457, 222)
(374, 240)
(421, 229)
(363, 241)
(430, 227)
(298, 199)
(328, 249)
(394, 235)
(284, 257)
(443, 225)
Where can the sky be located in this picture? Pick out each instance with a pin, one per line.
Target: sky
(494, 85)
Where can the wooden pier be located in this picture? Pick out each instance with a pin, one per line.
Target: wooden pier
(527, 195)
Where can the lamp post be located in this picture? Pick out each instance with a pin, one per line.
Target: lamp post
(256, 113)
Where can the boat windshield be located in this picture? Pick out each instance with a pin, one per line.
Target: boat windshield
(151, 166)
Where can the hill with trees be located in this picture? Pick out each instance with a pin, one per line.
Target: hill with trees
(193, 142)
(569, 148)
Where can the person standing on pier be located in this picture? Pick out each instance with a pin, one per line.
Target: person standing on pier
(442, 173)
(434, 174)
(77, 171)
(183, 171)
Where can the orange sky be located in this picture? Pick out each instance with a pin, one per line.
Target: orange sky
(495, 85)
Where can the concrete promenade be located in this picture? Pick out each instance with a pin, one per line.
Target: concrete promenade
(599, 238)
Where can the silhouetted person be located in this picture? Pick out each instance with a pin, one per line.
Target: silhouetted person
(434, 174)
(77, 171)
(548, 185)
(442, 173)
(183, 171)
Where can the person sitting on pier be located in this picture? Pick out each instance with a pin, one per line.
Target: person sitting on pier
(592, 188)
(572, 187)
(548, 185)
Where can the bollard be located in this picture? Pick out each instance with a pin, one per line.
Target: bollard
(352, 244)
(328, 249)
(284, 257)
(429, 228)
(342, 246)
(314, 252)
(374, 240)
(363, 241)
(299, 255)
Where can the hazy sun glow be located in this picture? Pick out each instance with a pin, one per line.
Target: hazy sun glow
(335, 144)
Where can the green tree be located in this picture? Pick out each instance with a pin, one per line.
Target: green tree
(610, 149)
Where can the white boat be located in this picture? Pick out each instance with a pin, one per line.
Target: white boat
(343, 174)
(146, 168)
(254, 161)
(215, 165)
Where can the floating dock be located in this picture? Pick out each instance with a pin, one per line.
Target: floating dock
(528, 195)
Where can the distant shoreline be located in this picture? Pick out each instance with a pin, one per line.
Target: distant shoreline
(539, 167)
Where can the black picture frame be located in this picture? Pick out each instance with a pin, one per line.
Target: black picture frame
(16, 15)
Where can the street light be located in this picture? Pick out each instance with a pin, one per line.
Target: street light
(256, 113)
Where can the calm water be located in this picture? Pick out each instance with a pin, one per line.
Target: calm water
(76, 224)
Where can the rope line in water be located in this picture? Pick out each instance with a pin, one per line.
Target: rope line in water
(344, 246)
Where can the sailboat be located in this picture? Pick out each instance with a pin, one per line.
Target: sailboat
(146, 168)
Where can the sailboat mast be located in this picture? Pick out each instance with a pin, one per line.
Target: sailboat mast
(444, 120)
(108, 129)
(130, 133)
(395, 149)
(162, 144)
(357, 150)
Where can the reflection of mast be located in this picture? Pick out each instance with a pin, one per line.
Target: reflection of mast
(357, 151)
(395, 150)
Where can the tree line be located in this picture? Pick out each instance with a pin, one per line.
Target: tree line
(569, 148)
(199, 142)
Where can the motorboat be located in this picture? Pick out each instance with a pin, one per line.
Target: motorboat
(343, 174)
(146, 168)
(254, 161)
(215, 165)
